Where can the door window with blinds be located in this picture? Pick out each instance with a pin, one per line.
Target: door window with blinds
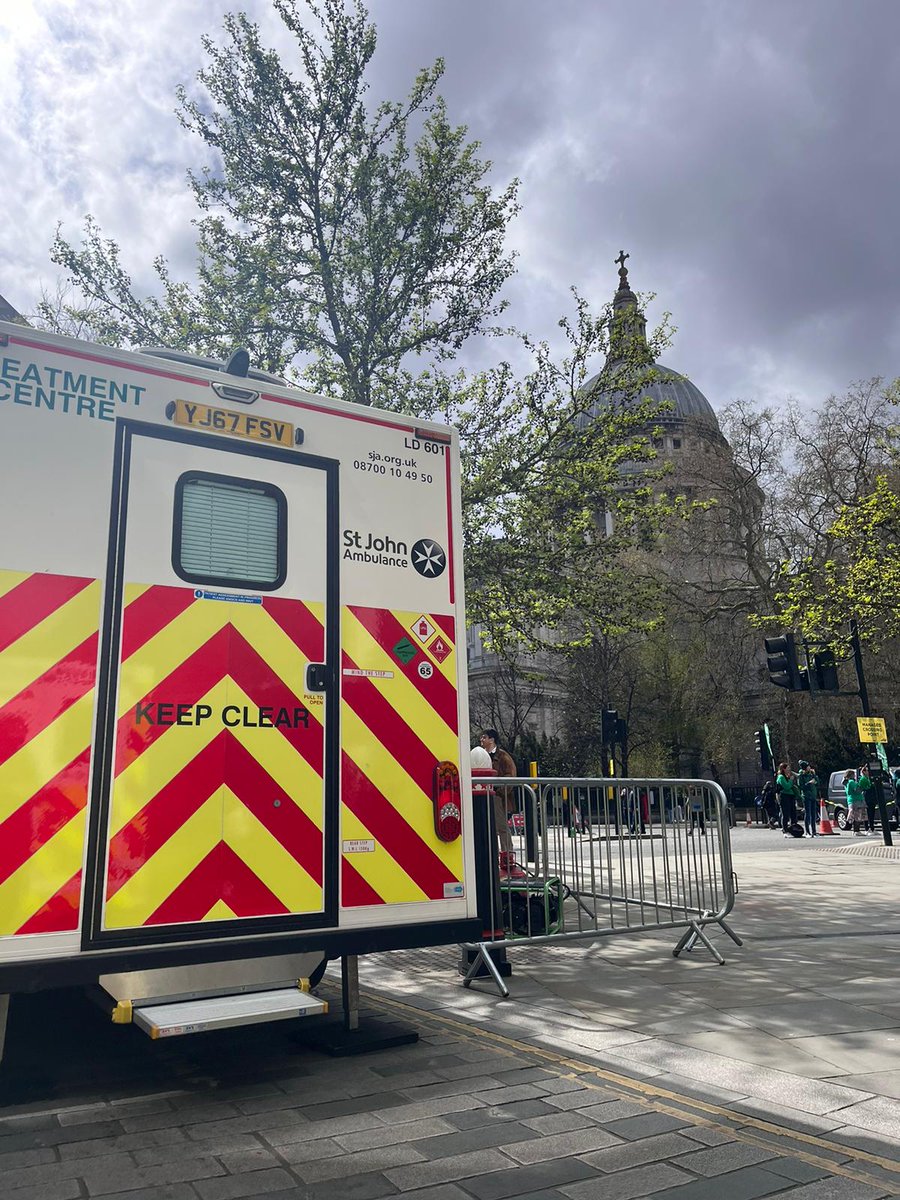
(230, 532)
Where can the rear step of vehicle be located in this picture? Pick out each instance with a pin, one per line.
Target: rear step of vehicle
(223, 1012)
(171, 1001)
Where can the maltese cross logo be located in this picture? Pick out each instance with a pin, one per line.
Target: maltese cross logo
(428, 558)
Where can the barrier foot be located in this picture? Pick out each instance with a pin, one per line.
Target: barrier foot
(484, 958)
(468, 954)
(689, 941)
(683, 940)
(734, 937)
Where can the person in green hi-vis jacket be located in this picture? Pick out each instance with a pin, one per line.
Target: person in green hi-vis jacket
(867, 789)
(808, 784)
(856, 805)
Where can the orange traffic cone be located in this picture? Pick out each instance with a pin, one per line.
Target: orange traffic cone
(826, 829)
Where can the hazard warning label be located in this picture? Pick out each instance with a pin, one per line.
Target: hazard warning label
(440, 650)
(422, 628)
(405, 650)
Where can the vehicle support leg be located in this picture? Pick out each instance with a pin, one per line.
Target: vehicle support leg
(350, 991)
(4, 1013)
(344, 1036)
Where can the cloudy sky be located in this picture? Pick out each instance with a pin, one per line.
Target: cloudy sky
(745, 153)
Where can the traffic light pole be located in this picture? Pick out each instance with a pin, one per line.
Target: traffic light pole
(867, 712)
(860, 673)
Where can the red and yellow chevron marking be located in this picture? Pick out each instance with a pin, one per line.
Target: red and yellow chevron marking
(48, 661)
(217, 808)
(394, 730)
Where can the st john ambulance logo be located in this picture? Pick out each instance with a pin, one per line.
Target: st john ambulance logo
(428, 558)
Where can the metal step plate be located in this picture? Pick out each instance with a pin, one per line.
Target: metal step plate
(222, 1012)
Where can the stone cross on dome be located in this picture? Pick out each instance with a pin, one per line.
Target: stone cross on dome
(623, 270)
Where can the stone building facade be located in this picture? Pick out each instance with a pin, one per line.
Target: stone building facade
(703, 562)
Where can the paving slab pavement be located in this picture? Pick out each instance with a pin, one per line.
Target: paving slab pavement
(613, 1071)
(466, 1114)
(803, 1022)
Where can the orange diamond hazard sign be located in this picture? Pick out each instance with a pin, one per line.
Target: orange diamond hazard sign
(422, 628)
(439, 649)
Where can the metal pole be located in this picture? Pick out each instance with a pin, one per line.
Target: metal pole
(867, 712)
(531, 817)
(811, 672)
(487, 883)
(860, 673)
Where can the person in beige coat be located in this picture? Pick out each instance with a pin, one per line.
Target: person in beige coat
(503, 764)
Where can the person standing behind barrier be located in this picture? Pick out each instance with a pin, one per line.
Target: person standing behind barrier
(503, 764)
(809, 790)
(632, 811)
(697, 814)
(644, 805)
(788, 795)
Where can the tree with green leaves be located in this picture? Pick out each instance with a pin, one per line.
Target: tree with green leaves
(826, 551)
(859, 580)
(333, 245)
(325, 231)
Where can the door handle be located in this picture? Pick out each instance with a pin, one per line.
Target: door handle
(317, 677)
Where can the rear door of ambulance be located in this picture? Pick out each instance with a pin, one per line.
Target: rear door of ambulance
(406, 844)
(215, 781)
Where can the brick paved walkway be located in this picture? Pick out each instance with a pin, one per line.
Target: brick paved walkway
(464, 1114)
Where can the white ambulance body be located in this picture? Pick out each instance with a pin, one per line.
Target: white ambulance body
(232, 677)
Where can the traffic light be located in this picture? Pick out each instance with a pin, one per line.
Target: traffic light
(621, 731)
(609, 720)
(762, 750)
(781, 661)
(826, 671)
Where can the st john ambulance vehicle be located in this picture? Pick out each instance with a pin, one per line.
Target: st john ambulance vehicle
(232, 684)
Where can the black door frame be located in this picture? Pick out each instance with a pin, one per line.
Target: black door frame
(93, 936)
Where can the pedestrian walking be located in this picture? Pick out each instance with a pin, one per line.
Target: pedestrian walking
(856, 803)
(788, 794)
(808, 783)
(770, 804)
(503, 764)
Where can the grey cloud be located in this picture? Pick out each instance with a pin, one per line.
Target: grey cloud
(744, 153)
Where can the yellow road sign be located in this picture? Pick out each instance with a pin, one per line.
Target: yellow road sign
(871, 729)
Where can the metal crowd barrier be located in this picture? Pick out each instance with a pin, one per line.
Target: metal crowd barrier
(588, 858)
